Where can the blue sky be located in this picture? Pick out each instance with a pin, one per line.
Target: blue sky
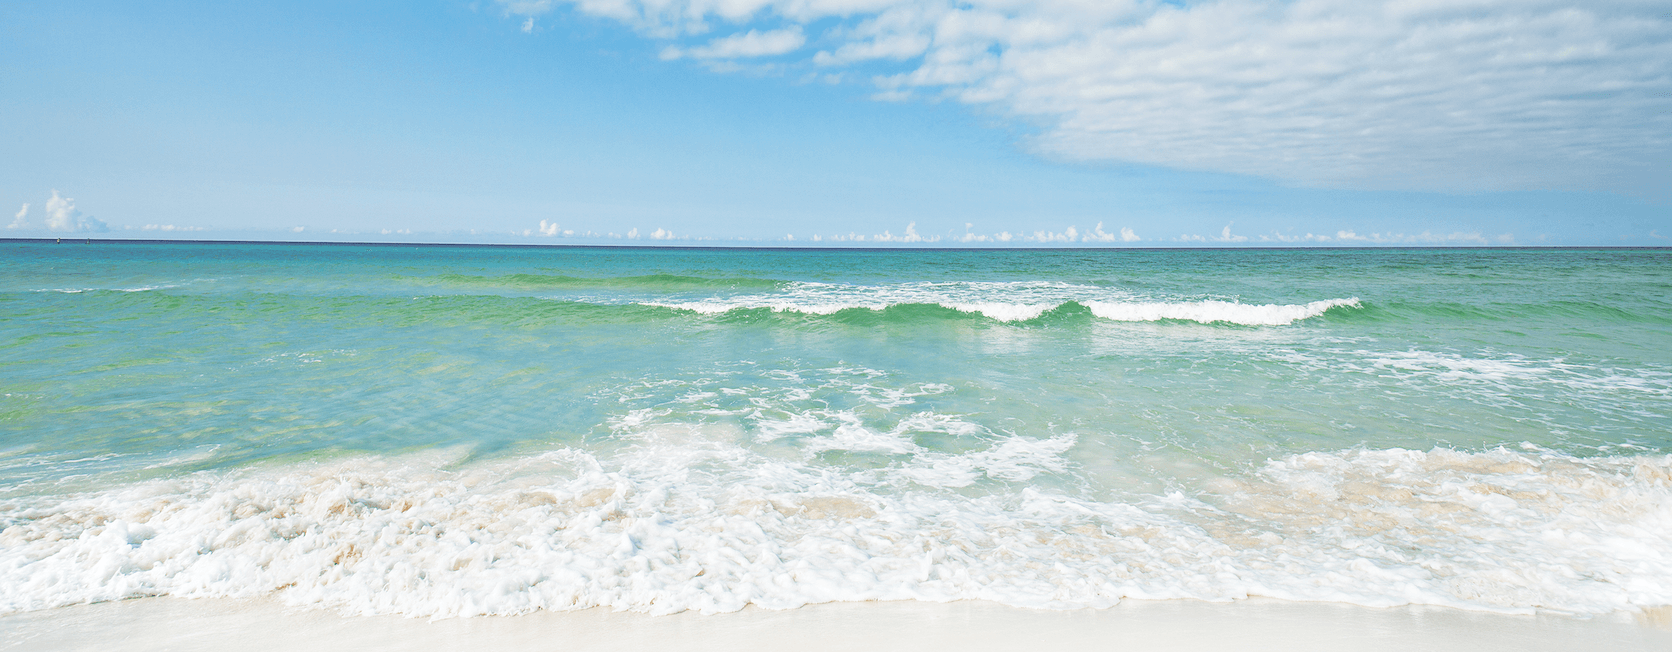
(842, 122)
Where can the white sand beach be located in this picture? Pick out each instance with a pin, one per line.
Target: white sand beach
(1254, 624)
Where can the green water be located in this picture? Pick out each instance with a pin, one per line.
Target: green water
(952, 375)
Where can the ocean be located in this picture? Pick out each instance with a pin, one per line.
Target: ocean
(443, 431)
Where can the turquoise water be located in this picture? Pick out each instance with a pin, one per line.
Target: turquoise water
(491, 430)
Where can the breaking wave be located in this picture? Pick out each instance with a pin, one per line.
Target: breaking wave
(687, 519)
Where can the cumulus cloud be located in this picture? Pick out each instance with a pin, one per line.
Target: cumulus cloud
(1099, 235)
(61, 216)
(1068, 235)
(1225, 235)
(910, 235)
(1417, 94)
(168, 227)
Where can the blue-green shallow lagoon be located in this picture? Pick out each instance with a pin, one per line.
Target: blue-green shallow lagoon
(471, 430)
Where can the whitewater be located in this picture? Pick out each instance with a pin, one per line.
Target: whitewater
(466, 431)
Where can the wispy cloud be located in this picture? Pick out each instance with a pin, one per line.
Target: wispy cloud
(753, 43)
(1352, 237)
(1472, 95)
(21, 220)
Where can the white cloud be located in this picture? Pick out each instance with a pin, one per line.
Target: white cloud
(21, 221)
(61, 215)
(1349, 236)
(1225, 235)
(1294, 239)
(1099, 235)
(753, 43)
(169, 227)
(297, 229)
(632, 234)
(548, 229)
(1068, 235)
(1418, 94)
(661, 234)
(910, 235)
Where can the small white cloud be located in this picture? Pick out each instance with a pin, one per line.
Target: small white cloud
(297, 229)
(169, 227)
(1192, 238)
(528, 25)
(61, 215)
(1069, 234)
(661, 234)
(1099, 235)
(21, 221)
(1279, 237)
(753, 43)
(897, 47)
(548, 229)
(1226, 236)
(633, 234)
(910, 235)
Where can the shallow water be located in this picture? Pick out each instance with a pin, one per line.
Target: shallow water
(489, 430)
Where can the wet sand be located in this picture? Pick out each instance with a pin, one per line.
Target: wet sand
(1255, 624)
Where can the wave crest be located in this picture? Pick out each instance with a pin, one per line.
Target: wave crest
(1204, 312)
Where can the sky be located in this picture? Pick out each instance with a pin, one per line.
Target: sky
(841, 122)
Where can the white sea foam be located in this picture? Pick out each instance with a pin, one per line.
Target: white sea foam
(146, 288)
(685, 518)
(1008, 302)
(1208, 312)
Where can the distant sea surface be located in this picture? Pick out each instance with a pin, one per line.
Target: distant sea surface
(455, 431)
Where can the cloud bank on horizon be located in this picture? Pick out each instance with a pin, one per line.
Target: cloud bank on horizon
(1431, 95)
(61, 217)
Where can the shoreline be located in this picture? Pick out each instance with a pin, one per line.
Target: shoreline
(221, 624)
